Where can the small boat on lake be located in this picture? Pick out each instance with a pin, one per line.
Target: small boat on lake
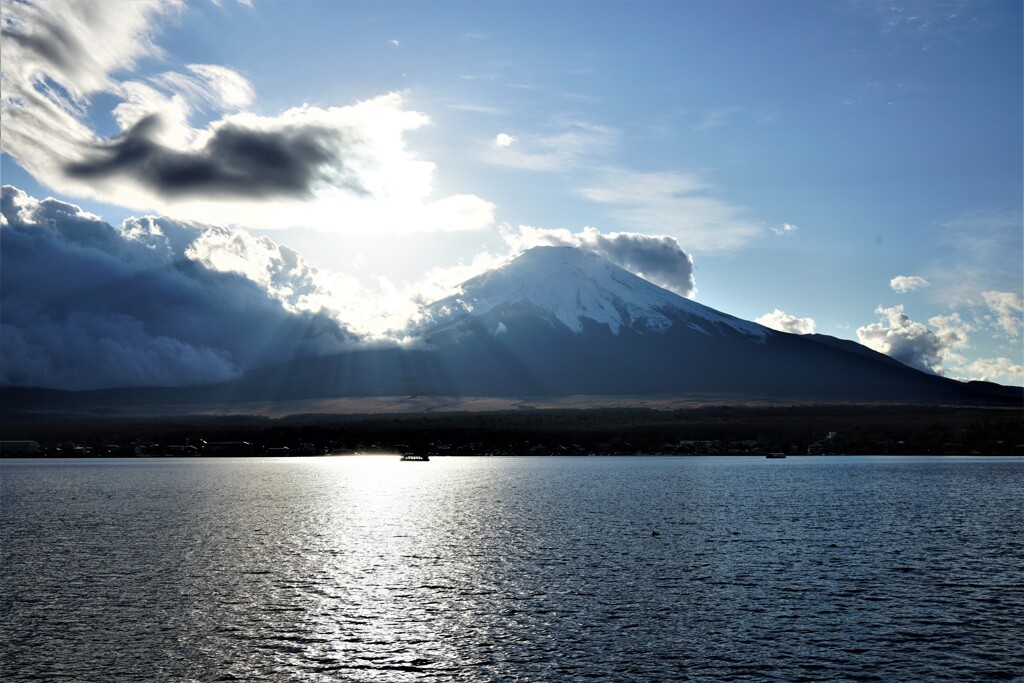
(775, 456)
(415, 457)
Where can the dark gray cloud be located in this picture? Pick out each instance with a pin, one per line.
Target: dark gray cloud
(83, 305)
(657, 258)
(235, 162)
(55, 45)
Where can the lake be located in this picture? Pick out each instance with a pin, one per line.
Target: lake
(540, 569)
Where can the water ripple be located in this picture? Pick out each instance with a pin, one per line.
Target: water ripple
(512, 569)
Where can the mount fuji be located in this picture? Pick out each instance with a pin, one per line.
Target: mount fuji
(560, 321)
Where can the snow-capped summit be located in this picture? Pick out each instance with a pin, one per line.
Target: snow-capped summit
(570, 285)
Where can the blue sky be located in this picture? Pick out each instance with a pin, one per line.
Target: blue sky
(804, 154)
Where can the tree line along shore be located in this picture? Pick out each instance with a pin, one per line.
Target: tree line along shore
(710, 430)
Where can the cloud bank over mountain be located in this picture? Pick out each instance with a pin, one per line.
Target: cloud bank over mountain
(84, 305)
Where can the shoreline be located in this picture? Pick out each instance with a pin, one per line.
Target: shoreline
(697, 430)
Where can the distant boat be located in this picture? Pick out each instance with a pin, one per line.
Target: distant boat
(414, 457)
(775, 456)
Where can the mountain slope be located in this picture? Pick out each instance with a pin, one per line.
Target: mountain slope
(559, 322)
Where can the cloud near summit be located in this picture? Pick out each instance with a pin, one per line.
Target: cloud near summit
(657, 258)
(186, 147)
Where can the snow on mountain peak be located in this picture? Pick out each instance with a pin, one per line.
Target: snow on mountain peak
(572, 284)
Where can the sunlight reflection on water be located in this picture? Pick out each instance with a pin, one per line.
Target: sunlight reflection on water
(368, 568)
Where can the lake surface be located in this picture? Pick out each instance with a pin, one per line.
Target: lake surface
(512, 569)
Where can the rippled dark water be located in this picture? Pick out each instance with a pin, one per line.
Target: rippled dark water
(543, 569)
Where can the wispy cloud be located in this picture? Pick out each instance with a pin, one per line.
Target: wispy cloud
(475, 108)
(679, 204)
(984, 248)
(623, 186)
(785, 229)
(222, 87)
(341, 168)
(912, 24)
(577, 143)
(714, 118)
(1008, 311)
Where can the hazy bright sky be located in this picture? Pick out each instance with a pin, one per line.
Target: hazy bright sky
(820, 161)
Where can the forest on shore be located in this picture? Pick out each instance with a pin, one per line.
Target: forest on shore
(723, 429)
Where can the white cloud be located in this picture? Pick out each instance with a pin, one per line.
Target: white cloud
(393, 42)
(785, 229)
(784, 322)
(374, 310)
(504, 140)
(282, 272)
(1002, 370)
(303, 167)
(443, 281)
(1007, 308)
(907, 283)
(941, 345)
(678, 204)
(913, 343)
